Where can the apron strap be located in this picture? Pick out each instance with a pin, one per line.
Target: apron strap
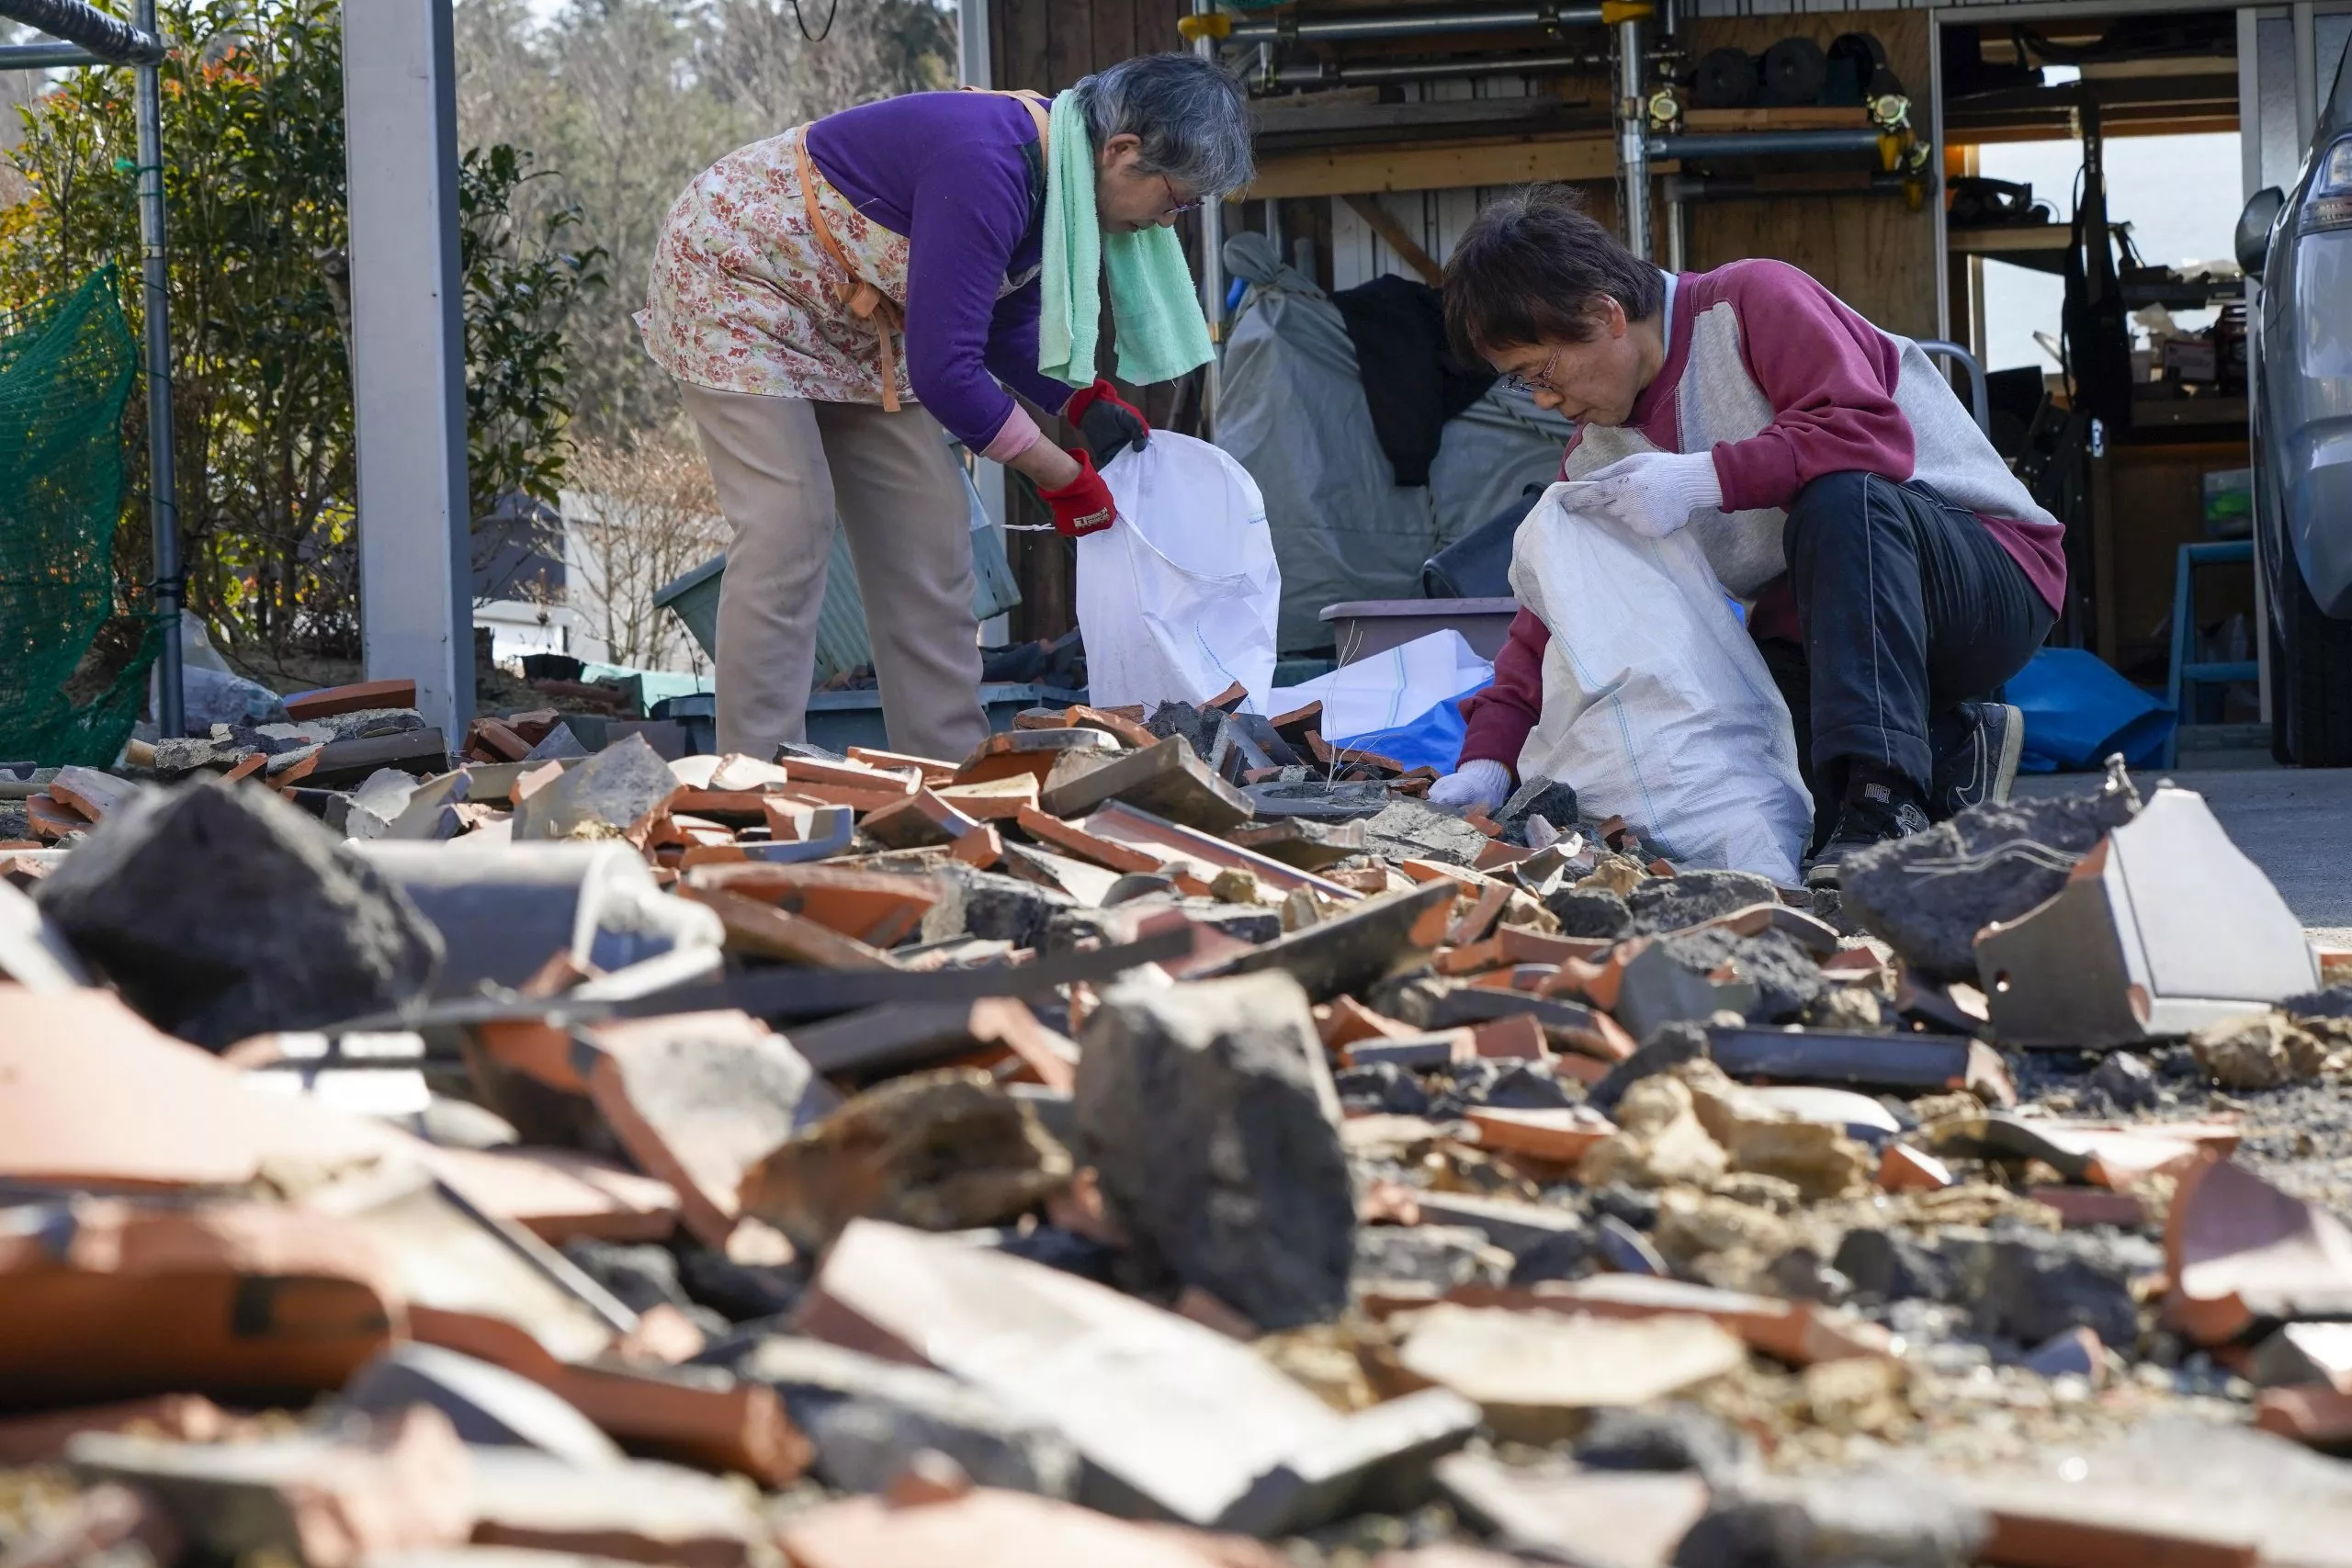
(1028, 98)
(864, 301)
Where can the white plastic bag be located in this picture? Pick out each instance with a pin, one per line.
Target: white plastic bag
(1397, 686)
(1178, 599)
(1657, 705)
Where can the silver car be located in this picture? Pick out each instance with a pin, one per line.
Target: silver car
(2299, 367)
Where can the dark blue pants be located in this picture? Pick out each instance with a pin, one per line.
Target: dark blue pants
(1908, 606)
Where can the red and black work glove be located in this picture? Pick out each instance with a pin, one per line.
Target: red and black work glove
(1109, 422)
(1083, 506)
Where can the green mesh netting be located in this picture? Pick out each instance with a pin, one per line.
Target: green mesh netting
(66, 365)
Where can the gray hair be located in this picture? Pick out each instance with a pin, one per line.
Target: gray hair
(1188, 112)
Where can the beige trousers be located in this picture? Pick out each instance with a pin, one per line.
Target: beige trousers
(783, 468)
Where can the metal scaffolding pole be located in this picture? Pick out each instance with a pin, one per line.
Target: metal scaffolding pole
(93, 37)
(1428, 24)
(163, 486)
(1632, 145)
(1212, 269)
(1319, 72)
(1761, 143)
(110, 39)
(45, 56)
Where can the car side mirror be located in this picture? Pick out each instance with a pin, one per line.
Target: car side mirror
(2254, 228)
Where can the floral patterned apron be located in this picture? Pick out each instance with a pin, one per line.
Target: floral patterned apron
(768, 280)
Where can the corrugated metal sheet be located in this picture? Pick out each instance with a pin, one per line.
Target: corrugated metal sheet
(842, 642)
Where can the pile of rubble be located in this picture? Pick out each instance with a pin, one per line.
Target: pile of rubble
(1149, 1140)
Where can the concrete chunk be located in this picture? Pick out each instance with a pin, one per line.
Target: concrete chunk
(1209, 1112)
(1675, 903)
(1927, 896)
(869, 1418)
(697, 1098)
(221, 912)
(1406, 828)
(991, 907)
(940, 1151)
(601, 798)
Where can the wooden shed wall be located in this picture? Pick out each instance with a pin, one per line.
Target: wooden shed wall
(1048, 45)
(1875, 253)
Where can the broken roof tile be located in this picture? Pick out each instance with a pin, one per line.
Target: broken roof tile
(697, 1098)
(355, 698)
(107, 1299)
(2240, 1251)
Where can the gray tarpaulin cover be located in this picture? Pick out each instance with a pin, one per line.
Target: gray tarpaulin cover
(1492, 452)
(1292, 413)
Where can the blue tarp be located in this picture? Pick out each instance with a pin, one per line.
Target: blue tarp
(2078, 712)
(1433, 738)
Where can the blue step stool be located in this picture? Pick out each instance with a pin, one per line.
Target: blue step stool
(2186, 676)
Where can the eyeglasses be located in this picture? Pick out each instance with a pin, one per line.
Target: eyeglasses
(1178, 209)
(1528, 386)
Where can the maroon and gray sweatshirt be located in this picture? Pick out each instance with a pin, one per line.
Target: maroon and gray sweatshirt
(1783, 383)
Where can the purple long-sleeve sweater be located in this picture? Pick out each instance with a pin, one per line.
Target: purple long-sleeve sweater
(948, 170)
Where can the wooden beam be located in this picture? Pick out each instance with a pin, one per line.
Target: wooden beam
(1387, 227)
(2111, 125)
(1591, 156)
(1805, 117)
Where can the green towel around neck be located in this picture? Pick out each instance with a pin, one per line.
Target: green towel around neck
(1154, 301)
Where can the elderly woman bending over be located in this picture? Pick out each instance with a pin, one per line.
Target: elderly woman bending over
(830, 298)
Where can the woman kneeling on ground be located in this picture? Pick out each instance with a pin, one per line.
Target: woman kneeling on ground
(1899, 573)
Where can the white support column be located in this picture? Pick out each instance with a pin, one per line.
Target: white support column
(976, 67)
(1212, 223)
(408, 352)
(2306, 71)
(2250, 107)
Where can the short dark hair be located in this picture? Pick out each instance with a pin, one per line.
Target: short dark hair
(1529, 267)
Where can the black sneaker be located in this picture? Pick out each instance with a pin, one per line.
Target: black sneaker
(1874, 815)
(1984, 765)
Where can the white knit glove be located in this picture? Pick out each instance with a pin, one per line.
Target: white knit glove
(1649, 493)
(1481, 784)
